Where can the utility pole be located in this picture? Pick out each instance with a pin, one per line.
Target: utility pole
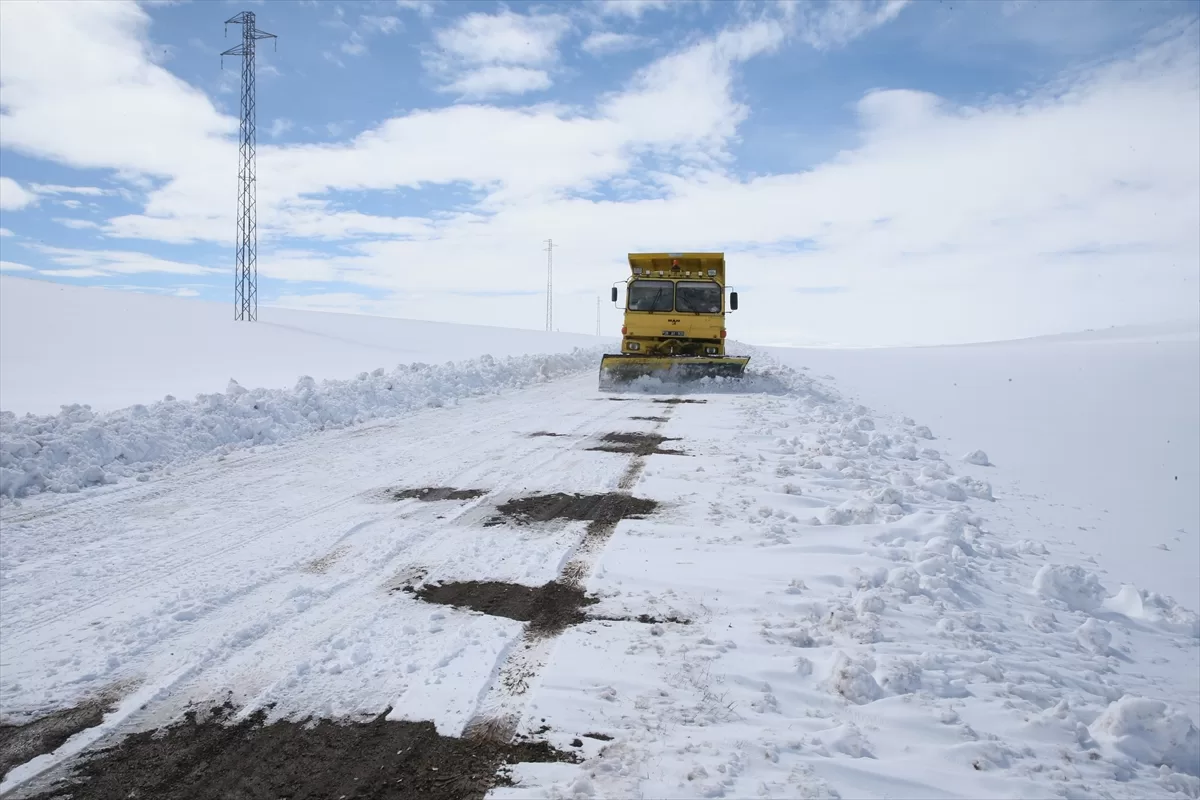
(549, 284)
(245, 282)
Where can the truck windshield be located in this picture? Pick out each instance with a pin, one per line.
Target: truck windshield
(699, 297)
(650, 296)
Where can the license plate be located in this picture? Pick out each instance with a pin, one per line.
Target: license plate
(674, 333)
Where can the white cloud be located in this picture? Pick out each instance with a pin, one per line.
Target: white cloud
(84, 272)
(603, 42)
(13, 197)
(12, 266)
(423, 7)
(91, 191)
(839, 22)
(632, 8)
(381, 24)
(354, 46)
(504, 38)
(495, 80)
(493, 53)
(279, 127)
(77, 224)
(103, 262)
(6, 232)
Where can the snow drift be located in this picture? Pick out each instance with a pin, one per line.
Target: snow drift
(78, 447)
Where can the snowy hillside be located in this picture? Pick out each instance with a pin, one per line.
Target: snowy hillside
(112, 349)
(769, 589)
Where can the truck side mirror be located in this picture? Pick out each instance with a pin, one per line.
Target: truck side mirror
(614, 294)
(733, 301)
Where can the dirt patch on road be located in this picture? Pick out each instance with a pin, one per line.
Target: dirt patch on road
(214, 760)
(640, 444)
(646, 619)
(544, 433)
(548, 608)
(431, 493)
(651, 419)
(22, 743)
(677, 400)
(612, 507)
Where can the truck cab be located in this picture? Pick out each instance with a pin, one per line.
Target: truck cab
(675, 304)
(674, 325)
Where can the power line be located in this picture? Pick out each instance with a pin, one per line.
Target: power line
(549, 284)
(245, 282)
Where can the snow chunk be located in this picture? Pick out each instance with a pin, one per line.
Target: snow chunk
(977, 457)
(1150, 732)
(1078, 588)
(1094, 636)
(1153, 607)
(852, 681)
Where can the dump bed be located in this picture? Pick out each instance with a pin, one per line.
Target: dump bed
(679, 265)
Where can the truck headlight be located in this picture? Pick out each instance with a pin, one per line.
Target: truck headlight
(712, 351)
(634, 345)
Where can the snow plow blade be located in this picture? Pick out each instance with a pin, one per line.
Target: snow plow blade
(619, 369)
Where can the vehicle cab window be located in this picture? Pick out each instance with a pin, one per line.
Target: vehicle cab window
(698, 297)
(651, 296)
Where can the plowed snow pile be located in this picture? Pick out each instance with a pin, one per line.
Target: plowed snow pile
(77, 447)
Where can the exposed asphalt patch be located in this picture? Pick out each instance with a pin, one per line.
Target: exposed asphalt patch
(651, 419)
(22, 743)
(548, 608)
(611, 508)
(430, 493)
(676, 400)
(545, 433)
(214, 760)
(645, 619)
(641, 444)
(604, 737)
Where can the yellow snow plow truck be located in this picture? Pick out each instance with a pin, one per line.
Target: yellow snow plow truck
(674, 329)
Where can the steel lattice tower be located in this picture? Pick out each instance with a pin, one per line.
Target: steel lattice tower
(245, 285)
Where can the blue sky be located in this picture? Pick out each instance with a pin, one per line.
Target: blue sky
(878, 172)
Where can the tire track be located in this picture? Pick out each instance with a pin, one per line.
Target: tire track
(501, 704)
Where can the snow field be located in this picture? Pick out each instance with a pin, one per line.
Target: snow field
(113, 349)
(868, 615)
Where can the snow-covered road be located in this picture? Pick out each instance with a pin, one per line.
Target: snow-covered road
(827, 607)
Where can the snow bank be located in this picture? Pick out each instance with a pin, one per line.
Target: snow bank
(78, 447)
